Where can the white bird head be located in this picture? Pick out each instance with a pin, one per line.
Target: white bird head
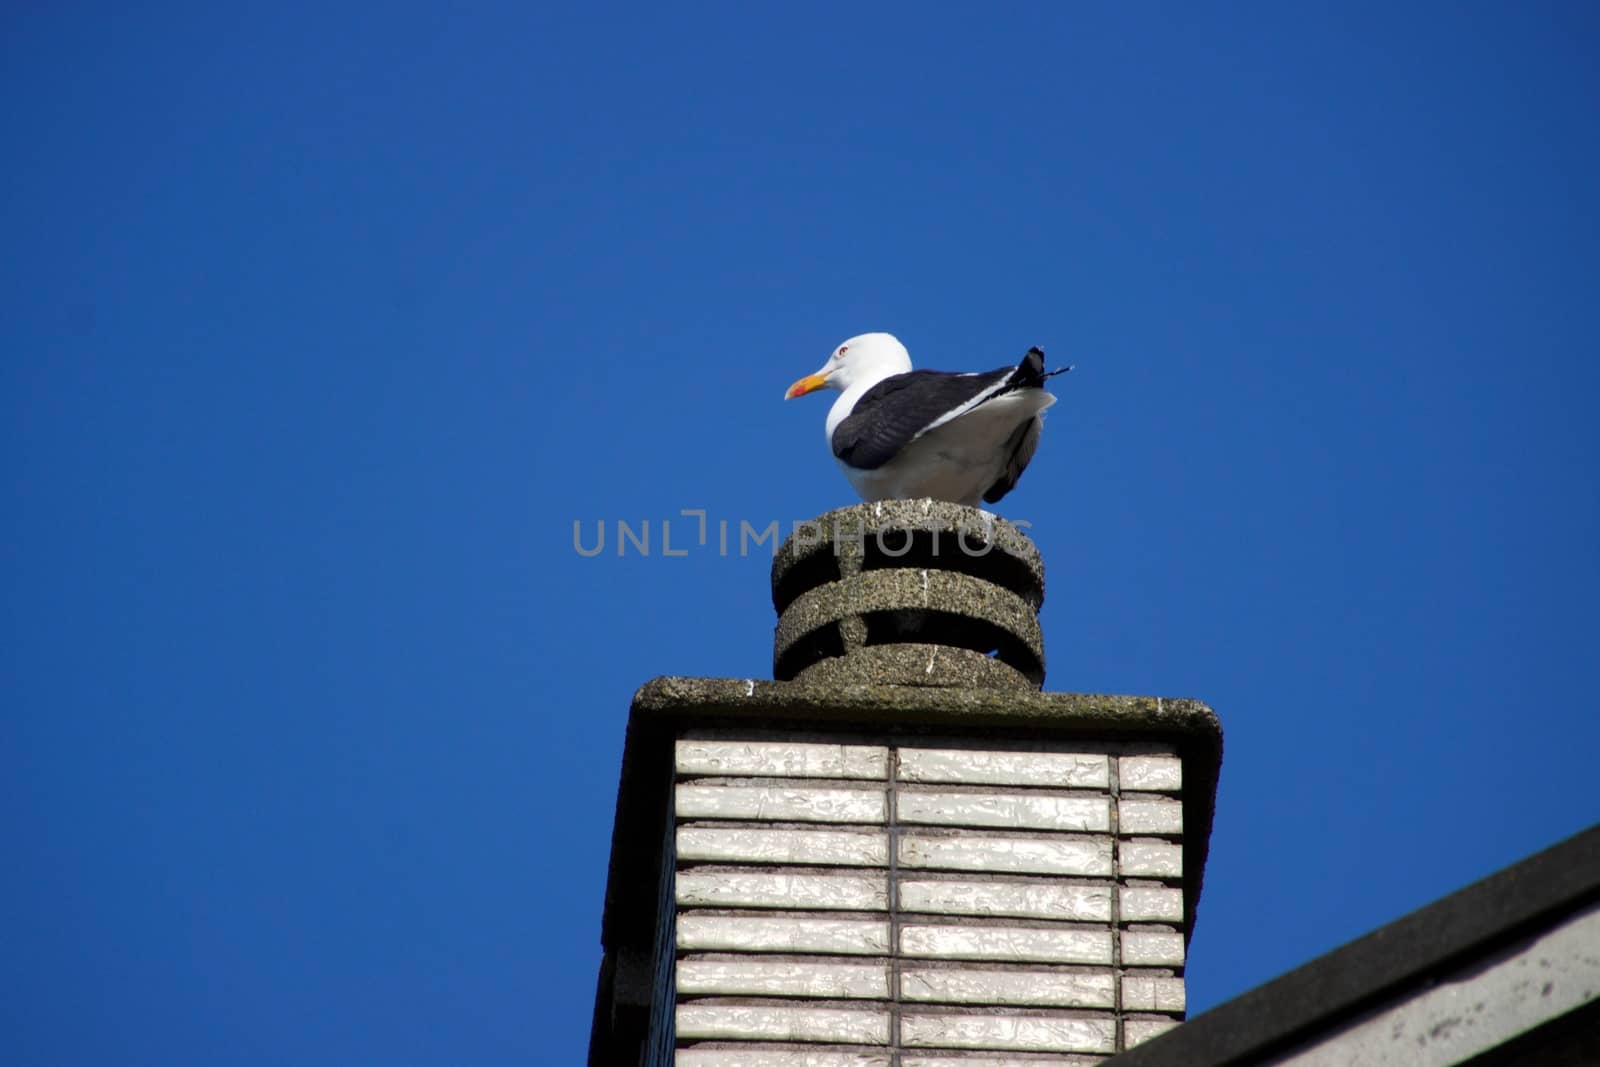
(868, 356)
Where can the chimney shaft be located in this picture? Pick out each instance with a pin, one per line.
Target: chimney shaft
(901, 852)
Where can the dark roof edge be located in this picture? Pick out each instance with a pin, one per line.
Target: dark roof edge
(1320, 994)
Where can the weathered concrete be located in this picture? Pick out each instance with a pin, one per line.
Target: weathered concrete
(1156, 816)
(967, 766)
(942, 587)
(1028, 900)
(765, 1023)
(1011, 944)
(1044, 988)
(946, 536)
(1023, 1033)
(796, 891)
(748, 1057)
(949, 604)
(780, 803)
(764, 934)
(829, 980)
(1152, 948)
(1156, 774)
(787, 759)
(916, 663)
(1085, 857)
(1053, 714)
(1011, 810)
(1153, 993)
(1150, 859)
(1150, 904)
(724, 844)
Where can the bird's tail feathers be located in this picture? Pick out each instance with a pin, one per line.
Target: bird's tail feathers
(1030, 373)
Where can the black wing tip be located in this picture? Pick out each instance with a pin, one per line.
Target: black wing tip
(1019, 452)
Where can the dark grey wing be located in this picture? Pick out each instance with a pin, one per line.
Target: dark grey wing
(891, 414)
(1019, 450)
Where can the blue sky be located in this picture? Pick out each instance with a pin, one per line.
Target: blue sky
(322, 324)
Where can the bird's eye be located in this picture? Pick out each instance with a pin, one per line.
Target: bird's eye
(842, 350)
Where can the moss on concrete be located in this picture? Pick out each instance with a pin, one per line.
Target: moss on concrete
(1125, 717)
(916, 665)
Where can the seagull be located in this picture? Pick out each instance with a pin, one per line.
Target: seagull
(903, 434)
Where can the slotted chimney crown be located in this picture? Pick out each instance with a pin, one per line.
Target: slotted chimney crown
(909, 592)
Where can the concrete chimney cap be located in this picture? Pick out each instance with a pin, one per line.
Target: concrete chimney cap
(909, 592)
(931, 534)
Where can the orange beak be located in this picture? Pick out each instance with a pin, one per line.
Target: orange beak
(809, 384)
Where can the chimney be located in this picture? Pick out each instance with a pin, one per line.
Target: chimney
(901, 853)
